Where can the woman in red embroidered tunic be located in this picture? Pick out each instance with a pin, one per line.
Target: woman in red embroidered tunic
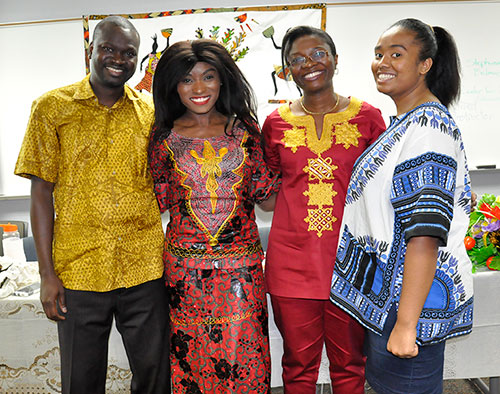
(208, 168)
(314, 142)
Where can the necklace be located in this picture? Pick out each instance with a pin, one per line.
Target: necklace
(318, 113)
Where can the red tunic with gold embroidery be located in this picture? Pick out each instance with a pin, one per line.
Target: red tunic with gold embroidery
(210, 187)
(213, 261)
(309, 206)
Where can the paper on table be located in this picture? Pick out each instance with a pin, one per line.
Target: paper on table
(19, 274)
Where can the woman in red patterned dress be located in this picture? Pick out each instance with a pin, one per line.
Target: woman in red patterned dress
(207, 164)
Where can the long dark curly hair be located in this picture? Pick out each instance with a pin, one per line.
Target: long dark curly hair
(236, 98)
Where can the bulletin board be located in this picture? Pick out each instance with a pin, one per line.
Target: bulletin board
(252, 35)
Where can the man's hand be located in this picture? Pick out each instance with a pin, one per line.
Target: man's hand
(42, 221)
(52, 296)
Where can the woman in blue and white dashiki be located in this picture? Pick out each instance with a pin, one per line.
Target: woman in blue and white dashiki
(401, 266)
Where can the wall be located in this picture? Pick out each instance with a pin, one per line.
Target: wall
(30, 10)
(33, 10)
(15, 209)
(58, 49)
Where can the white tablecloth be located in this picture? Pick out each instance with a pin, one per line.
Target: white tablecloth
(478, 354)
(29, 354)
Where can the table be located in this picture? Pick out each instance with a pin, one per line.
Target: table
(29, 353)
(478, 354)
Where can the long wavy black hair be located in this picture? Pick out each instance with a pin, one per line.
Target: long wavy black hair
(236, 98)
(443, 79)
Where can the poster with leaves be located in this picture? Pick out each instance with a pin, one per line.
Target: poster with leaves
(252, 35)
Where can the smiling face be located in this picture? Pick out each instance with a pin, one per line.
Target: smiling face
(313, 75)
(397, 68)
(113, 56)
(199, 89)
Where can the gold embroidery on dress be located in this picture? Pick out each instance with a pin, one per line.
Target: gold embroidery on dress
(304, 124)
(210, 168)
(320, 220)
(331, 124)
(320, 194)
(213, 239)
(347, 134)
(294, 138)
(319, 169)
(213, 254)
(187, 321)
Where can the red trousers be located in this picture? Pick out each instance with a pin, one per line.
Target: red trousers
(306, 325)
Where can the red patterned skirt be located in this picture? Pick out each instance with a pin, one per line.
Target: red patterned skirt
(220, 341)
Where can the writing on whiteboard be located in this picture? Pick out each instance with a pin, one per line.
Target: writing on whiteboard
(485, 67)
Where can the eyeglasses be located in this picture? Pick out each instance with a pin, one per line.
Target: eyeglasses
(315, 57)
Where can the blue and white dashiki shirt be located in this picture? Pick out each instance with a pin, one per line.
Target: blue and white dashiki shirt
(413, 181)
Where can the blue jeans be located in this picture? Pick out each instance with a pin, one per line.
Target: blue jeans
(388, 374)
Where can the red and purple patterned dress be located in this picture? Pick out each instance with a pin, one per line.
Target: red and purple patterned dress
(213, 260)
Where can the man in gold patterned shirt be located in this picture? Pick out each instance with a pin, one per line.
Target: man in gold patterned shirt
(95, 219)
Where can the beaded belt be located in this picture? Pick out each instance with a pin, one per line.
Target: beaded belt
(214, 254)
(212, 320)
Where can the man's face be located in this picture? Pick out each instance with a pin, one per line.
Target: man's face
(113, 56)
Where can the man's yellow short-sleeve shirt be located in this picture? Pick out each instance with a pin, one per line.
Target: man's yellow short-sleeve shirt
(107, 230)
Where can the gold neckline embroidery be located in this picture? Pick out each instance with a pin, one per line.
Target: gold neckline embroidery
(345, 133)
(319, 188)
(209, 167)
(239, 171)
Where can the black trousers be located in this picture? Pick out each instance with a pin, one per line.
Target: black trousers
(142, 318)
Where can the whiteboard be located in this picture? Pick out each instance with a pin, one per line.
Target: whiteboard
(355, 30)
(41, 57)
(36, 58)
